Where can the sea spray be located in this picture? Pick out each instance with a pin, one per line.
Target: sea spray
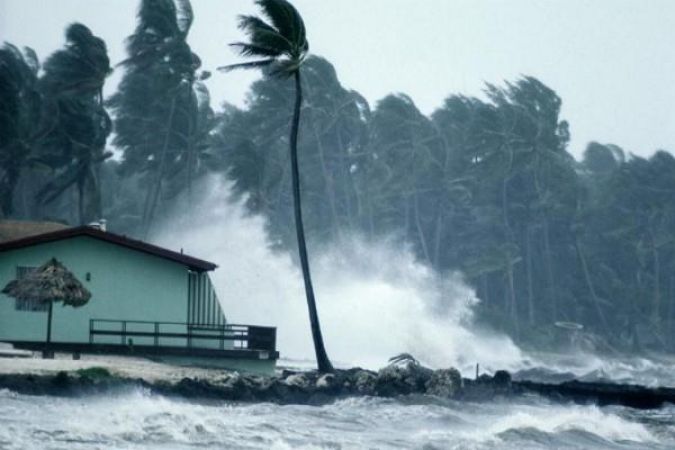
(375, 299)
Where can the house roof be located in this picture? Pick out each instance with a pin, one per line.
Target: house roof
(123, 241)
(11, 230)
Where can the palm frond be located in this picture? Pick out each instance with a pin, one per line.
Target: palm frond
(281, 43)
(286, 19)
(247, 65)
(245, 49)
(247, 23)
(286, 68)
(184, 16)
(264, 35)
(31, 59)
(79, 34)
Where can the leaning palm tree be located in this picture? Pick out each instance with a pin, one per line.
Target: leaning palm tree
(75, 124)
(282, 46)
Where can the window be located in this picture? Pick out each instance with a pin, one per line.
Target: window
(28, 304)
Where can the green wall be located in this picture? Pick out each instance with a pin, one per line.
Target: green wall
(125, 285)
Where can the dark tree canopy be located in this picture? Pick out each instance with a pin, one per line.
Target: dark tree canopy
(483, 185)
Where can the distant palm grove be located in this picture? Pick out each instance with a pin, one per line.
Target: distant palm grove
(484, 186)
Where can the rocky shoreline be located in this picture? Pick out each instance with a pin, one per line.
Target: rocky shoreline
(312, 388)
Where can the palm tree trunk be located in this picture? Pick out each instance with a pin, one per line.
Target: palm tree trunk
(420, 229)
(322, 360)
(10, 182)
(192, 127)
(591, 287)
(437, 239)
(530, 282)
(552, 288)
(486, 288)
(512, 299)
(671, 300)
(80, 200)
(329, 184)
(153, 199)
(656, 262)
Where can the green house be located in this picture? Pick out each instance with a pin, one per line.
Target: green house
(146, 300)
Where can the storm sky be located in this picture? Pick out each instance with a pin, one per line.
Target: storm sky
(611, 61)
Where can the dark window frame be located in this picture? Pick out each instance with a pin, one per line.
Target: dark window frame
(28, 305)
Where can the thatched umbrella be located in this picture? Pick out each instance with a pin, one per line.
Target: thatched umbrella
(51, 282)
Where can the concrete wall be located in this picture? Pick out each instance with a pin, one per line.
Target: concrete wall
(125, 285)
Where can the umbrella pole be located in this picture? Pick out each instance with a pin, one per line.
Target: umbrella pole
(47, 353)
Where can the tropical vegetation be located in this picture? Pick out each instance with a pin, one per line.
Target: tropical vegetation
(484, 185)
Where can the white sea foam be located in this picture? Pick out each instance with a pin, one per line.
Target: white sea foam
(586, 366)
(558, 418)
(375, 299)
(137, 419)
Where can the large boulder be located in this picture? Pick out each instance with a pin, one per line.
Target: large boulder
(328, 383)
(487, 387)
(363, 382)
(401, 378)
(444, 383)
(299, 380)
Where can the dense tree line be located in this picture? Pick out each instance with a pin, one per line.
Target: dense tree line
(483, 185)
(53, 127)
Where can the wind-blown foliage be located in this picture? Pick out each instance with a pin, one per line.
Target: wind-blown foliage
(160, 114)
(74, 125)
(19, 112)
(483, 185)
(281, 43)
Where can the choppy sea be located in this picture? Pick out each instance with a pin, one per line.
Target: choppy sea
(138, 419)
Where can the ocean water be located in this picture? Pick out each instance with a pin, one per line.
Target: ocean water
(138, 420)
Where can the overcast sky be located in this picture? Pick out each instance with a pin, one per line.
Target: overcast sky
(611, 61)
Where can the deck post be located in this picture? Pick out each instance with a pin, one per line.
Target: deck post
(222, 338)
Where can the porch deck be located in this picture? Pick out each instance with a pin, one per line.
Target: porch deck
(169, 339)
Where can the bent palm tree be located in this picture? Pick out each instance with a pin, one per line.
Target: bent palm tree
(282, 45)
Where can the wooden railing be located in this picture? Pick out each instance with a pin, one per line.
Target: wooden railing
(177, 334)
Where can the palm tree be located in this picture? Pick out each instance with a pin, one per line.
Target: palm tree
(76, 125)
(282, 46)
(156, 107)
(19, 114)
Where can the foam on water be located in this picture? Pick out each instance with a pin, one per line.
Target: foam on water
(586, 366)
(556, 419)
(374, 298)
(136, 419)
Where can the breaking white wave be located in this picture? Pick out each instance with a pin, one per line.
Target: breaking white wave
(135, 420)
(375, 299)
(559, 418)
(654, 371)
